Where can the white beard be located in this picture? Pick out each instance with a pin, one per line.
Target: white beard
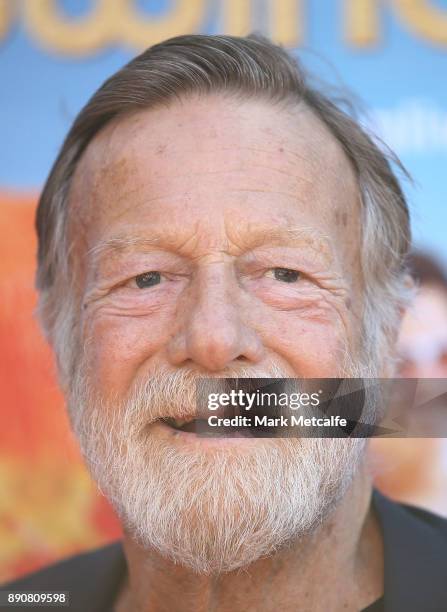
(214, 511)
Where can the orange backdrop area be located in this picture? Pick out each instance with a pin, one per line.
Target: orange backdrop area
(49, 507)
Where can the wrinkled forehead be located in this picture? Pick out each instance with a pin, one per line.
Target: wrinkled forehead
(218, 148)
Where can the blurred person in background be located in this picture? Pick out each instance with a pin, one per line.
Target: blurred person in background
(415, 470)
(423, 336)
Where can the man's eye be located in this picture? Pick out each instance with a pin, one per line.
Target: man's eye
(284, 274)
(148, 279)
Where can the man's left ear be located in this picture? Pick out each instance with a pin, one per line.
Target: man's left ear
(410, 288)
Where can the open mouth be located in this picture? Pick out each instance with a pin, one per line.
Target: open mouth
(189, 425)
(237, 424)
(233, 407)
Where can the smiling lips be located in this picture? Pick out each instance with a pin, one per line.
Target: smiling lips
(189, 424)
(201, 426)
(194, 423)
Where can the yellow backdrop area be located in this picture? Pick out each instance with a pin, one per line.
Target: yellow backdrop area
(120, 22)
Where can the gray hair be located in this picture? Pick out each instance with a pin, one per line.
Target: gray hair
(249, 67)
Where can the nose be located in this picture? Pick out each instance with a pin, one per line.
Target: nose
(214, 332)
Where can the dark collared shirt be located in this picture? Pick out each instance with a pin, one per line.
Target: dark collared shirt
(415, 548)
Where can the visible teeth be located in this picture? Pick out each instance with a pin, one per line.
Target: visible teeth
(179, 422)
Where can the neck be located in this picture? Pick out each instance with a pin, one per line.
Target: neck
(338, 567)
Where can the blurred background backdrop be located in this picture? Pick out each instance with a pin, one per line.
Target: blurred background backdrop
(392, 57)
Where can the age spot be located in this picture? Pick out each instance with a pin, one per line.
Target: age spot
(341, 218)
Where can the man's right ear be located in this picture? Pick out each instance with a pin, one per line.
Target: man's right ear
(41, 320)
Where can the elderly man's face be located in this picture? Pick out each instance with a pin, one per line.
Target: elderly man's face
(212, 237)
(244, 219)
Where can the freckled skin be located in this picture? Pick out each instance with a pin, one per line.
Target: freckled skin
(224, 192)
(211, 181)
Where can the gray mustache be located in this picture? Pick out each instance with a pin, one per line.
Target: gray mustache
(174, 394)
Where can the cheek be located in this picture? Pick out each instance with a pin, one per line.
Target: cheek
(314, 347)
(116, 348)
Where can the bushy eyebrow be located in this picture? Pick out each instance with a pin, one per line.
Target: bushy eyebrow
(119, 243)
(265, 237)
(293, 237)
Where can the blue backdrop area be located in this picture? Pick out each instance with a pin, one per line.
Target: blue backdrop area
(400, 75)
